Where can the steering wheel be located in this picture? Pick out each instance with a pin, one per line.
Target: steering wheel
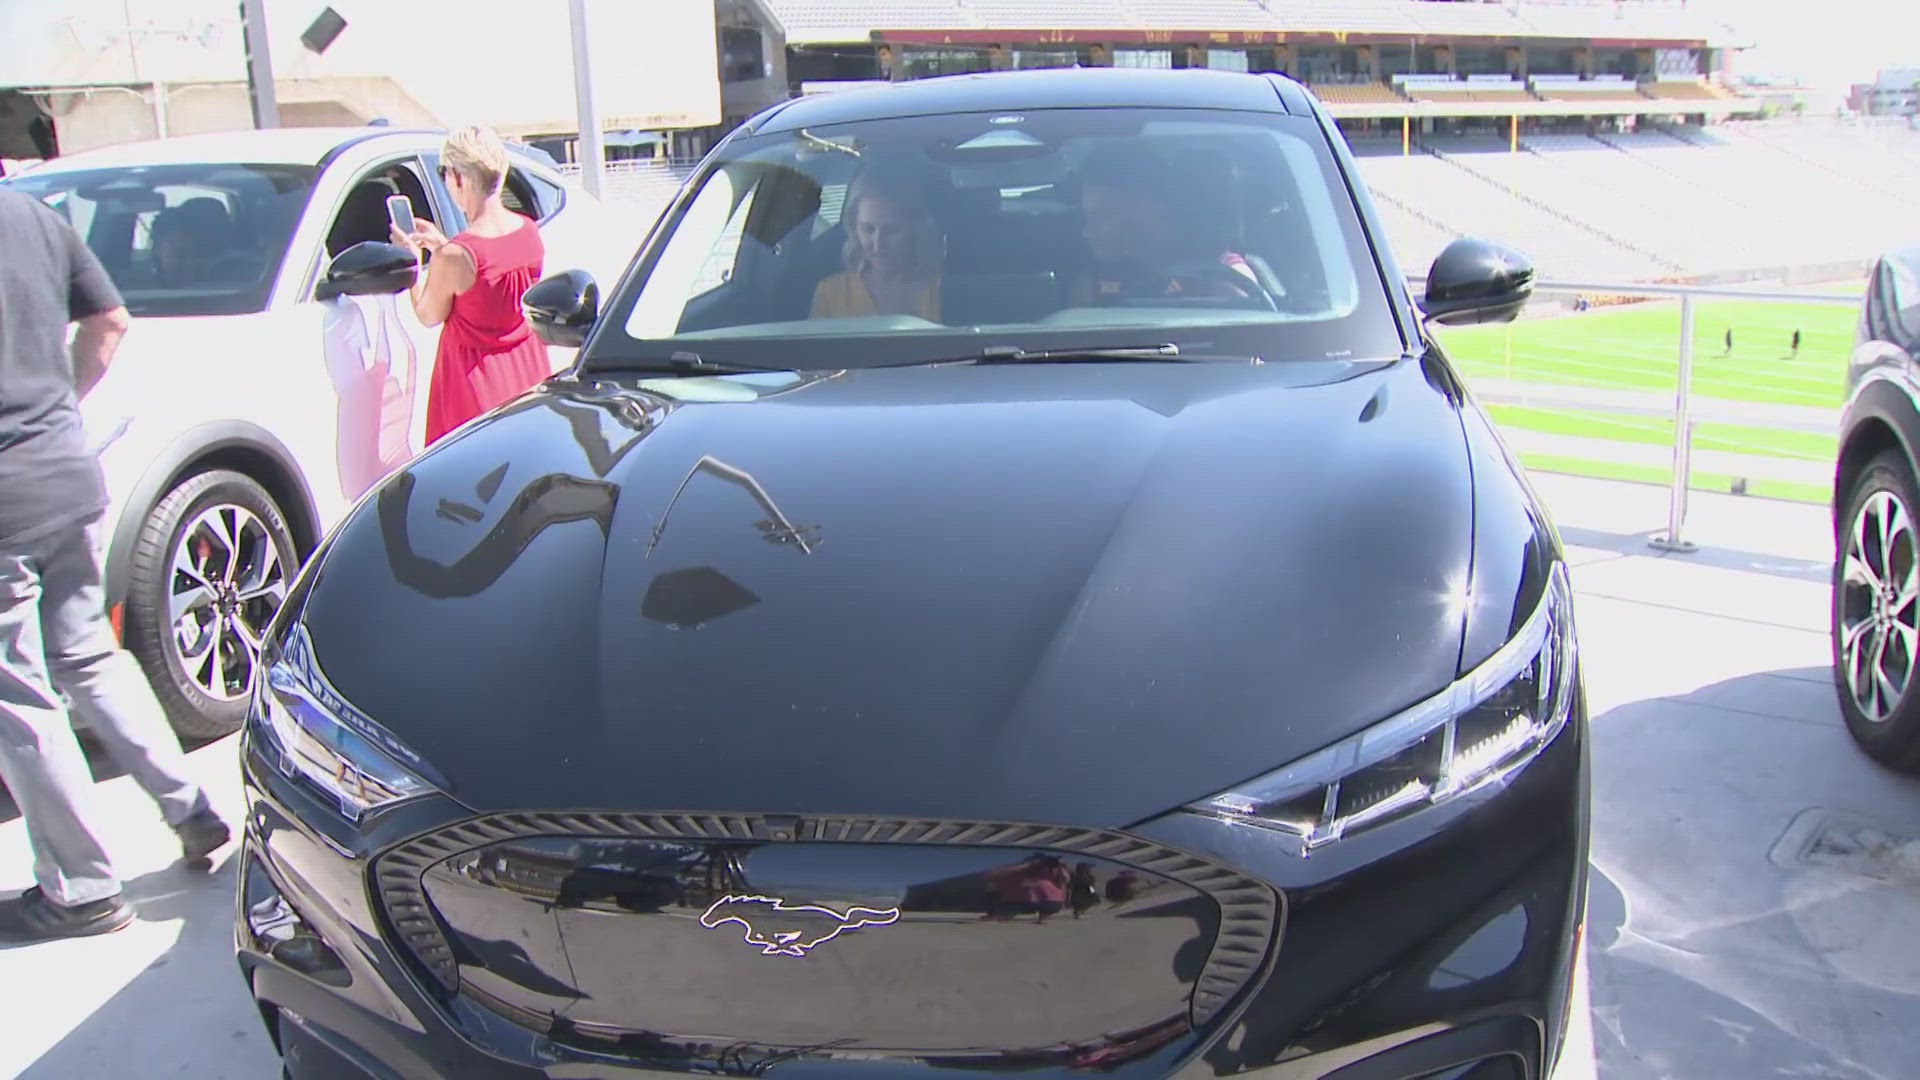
(235, 268)
(1197, 284)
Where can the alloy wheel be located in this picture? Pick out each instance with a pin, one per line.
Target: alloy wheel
(227, 582)
(1880, 606)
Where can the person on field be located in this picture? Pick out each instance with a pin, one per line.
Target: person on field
(56, 644)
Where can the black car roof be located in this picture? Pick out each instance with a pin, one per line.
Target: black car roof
(1056, 88)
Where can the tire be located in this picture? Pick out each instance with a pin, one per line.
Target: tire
(193, 611)
(1876, 612)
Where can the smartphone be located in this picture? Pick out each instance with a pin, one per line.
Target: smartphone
(400, 211)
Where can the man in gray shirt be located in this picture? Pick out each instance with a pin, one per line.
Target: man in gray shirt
(55, 639)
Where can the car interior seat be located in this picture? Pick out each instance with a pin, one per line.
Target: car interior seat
(208, 229)
(362, 217)
(1003, 266)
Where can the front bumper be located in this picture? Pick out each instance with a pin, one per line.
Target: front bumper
(1442, 945)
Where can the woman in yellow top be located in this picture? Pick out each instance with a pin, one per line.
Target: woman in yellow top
(893, 253)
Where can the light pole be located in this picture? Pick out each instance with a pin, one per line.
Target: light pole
(592, 139)
(133, 55)
(253, 38)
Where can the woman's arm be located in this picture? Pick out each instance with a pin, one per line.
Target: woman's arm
(450, 272)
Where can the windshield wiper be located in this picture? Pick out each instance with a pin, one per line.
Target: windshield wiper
(1013, 354)
(679, 363)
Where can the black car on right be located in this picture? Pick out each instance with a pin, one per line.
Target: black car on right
(1876, 582)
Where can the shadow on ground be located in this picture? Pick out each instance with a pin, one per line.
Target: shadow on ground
(1753, 562)
(1709, 960)
(186, 1014)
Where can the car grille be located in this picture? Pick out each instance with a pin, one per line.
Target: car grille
(1250, 911)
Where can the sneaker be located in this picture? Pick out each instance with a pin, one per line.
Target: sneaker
(32, 917)
(201, 835)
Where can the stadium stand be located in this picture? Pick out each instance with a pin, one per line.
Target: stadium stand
(821, 20)
(828, 20)
(1469, 92)
(1574, 88)
(1597, 184)
(1629, 163)
(1370, 93)
(1659, 203)
(1444, 188)
(1752, 186)
(1049, 12)
(1683, 90)
(1213, 14)
(1669, 202)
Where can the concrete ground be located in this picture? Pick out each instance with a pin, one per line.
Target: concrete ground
(1753, 912)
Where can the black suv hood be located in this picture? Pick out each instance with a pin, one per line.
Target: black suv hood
(1072, 593)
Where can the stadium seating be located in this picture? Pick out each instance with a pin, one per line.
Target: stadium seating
(1202, 14)
(1607, 189)
(1663, 201)
(1355, 93)
(1477, 90)
(1047, 13)
(854, 17)
(1415, 237)
(1779, 205)
(1660, 202)
(1573, 88)
(1442, 189)
(1559, 20)
(1683, 90)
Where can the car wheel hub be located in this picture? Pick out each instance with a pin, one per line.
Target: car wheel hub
(227, 581)
(1879, 624)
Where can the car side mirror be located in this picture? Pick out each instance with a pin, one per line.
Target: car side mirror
(563, 308)
(369, 268)
(1477, 281)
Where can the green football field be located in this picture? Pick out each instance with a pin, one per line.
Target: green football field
(1636, 347)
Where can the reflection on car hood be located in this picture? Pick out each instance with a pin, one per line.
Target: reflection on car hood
(1073, 593)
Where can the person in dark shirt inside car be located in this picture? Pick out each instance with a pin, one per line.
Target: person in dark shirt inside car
(1140, 251)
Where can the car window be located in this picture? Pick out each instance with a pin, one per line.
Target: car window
(1894, 301)
(538, 197)
(523, 192)
(178, 240)
(362, 214)
(709, 258)
(883, 241)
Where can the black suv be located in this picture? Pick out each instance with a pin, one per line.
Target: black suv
(1876, 584)
(1010, 585)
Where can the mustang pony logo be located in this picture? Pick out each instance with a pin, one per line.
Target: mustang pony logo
(783, 929)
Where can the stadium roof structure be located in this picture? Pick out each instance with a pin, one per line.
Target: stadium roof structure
(1240, 22)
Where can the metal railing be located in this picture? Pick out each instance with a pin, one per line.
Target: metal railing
(1674, 538)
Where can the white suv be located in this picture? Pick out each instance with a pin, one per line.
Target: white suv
(254, 401)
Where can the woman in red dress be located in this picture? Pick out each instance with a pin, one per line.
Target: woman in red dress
(472, 289)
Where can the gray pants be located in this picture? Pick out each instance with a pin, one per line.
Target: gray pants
(54, 639)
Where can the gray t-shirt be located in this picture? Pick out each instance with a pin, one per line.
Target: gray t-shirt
(48, 280)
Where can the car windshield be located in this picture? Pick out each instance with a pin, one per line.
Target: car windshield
(192, 239)
(1225, 234)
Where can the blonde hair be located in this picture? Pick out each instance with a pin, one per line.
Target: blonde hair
(477, 153)
(907, 189)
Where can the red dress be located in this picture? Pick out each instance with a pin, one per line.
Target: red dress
(488, 354)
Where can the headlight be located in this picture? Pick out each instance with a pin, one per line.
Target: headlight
(1476, 732)
(304, 728)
